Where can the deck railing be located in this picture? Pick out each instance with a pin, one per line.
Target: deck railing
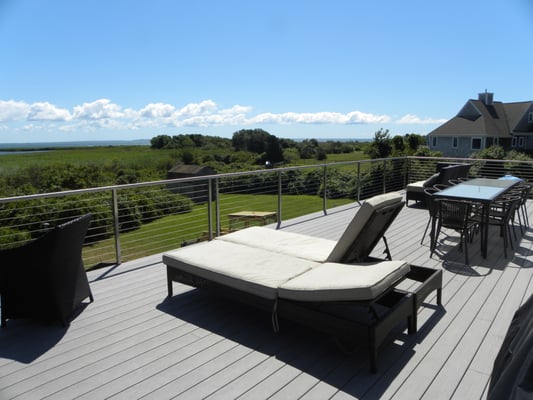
(135, 220)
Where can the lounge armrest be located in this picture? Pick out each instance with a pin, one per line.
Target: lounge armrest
(345, 282)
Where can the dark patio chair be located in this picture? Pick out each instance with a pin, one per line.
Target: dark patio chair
(45, 278)
(522, 191)
(433, 209)
(501, 214)
(456, 215)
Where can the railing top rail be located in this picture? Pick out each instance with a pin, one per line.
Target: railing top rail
(462, 159)
(181, 180)
(235, 174)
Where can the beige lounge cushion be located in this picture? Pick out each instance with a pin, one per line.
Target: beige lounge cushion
(278, 241)
(245, 268)
(359, 220)
(344, 282)
(416, 186)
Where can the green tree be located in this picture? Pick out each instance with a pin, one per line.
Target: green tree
(160, 142)
(381, 146)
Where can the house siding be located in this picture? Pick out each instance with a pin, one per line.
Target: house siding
(493, 122)
(463, 149)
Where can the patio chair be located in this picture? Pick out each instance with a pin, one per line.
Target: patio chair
(522, 190)
(433, 210)
(501, 214)
(45, 278)
(313, 281)
(455, 214)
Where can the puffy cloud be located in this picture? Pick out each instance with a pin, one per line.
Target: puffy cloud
(99, 109)
(204, 107)
(413, 119)
(104, 114)
(47, 112)
(354, 117)
(11, 110)
(358, 117)
(157, 110)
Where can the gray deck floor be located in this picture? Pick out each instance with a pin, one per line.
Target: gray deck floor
(133, 342)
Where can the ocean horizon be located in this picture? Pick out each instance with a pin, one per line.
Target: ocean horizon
(135, 142)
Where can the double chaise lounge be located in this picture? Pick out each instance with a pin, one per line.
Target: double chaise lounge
(333, 286)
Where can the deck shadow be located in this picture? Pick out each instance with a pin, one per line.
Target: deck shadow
(295, 345)
(25, 340)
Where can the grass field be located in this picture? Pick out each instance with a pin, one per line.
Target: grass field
(171, 232)
(134, 155)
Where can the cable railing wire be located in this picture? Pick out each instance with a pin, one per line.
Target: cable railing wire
(153, 217)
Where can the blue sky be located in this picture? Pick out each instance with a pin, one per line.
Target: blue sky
(126, 69)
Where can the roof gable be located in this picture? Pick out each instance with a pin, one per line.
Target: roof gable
(488, 118)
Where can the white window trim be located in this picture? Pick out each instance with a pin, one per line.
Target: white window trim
(520, 141)
(480, 143)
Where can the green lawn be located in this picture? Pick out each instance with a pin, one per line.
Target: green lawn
(170, 232)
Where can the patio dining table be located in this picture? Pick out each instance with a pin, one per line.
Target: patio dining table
(482, 191)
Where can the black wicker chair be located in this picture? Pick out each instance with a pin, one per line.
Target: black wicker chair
(45, 278)
(455, 214)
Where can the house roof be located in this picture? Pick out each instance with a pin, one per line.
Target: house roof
(495, 119)
(191, 170)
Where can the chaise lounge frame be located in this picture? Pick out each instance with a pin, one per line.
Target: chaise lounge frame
(366, 320)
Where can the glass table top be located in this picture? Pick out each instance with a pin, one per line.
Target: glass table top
(481, 189)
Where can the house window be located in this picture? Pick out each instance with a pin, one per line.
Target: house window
(476, 143)
(496, 141)
(433, 141)
(530, 117)
(513, 141)
(455, 142)
(521, 141)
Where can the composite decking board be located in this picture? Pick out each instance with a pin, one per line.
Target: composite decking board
(410, 368)
(153, 370)
(448, 378)
(150, 339)
(430, 367)
(288, 353)
(67, 360)
(200, 365)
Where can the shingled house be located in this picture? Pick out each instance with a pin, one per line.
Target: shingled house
(482, 123)
(197, 191)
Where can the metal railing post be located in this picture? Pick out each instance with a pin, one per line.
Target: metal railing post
(280, 189)
(217, 207)
(324, 184)
(209, 211)
(116, 226)
(358, 182)
(384, 176)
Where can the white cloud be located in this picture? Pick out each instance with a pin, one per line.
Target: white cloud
(104, 114)
(354, 117)
(413, 119)
(99, 109)
(157, 110)
(358, 117)
(47, 112)
(204, 107)
(11, 110)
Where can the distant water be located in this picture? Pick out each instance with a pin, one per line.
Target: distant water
(43, 146)
(86, 143)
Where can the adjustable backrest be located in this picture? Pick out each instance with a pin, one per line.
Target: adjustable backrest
(367, 228)
(68, 279)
